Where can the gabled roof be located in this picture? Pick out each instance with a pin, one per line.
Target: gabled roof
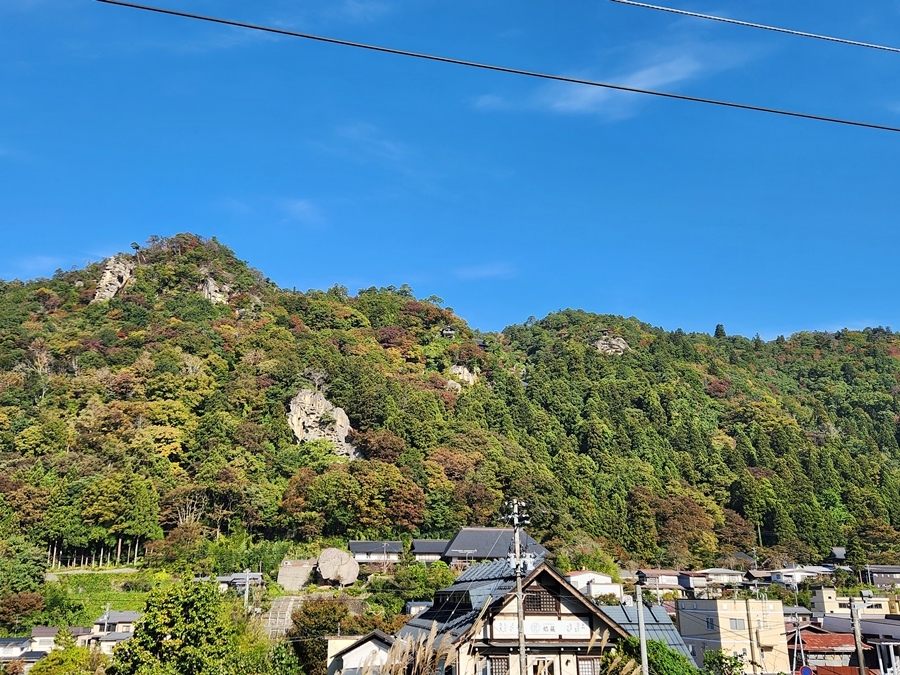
(11, 642)
(720, 570)
(657, 623)
(839, 552)
(481, 543)
(375, 636)
(484, 588)
(376, 547)
(429, 546)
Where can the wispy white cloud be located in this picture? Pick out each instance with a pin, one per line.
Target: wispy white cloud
(489, 270)
(369, 141)
(301, 211)
(661, 68)
(285, 210)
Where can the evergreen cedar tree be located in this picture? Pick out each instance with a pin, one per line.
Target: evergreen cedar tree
(153, 426)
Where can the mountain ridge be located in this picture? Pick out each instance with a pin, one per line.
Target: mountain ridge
(682, 448)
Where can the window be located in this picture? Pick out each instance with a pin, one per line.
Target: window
(542, 666)
(497, 665)
(736, 624)
(691, 649)
(710, 623)
(589, 667)
(541, 602)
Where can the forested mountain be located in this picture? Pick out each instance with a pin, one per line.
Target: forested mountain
(159, 416)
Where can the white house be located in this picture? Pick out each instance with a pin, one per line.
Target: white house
(594, 584)
(723, 576)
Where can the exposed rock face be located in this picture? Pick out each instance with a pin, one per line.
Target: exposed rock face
(454, 386)
(312, 417)
(213, 291)
(117, 271)
(613, 345)
(463, 374)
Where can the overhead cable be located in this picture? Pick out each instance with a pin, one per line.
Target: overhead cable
(503, 69)
(789, 31)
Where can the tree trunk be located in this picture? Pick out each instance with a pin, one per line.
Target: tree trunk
(128, 554)
(119, 552)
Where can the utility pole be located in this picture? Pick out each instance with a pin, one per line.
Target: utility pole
(518, 519)
(246, 589)
(642, 629)
(857, 634)
(754, 661)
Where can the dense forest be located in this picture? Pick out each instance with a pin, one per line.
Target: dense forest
(155, 423)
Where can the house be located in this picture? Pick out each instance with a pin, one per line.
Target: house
(366, 653)
(239, 580)
(657, 624)
(754, 578)
(27, 659)
(797, 613)
(13, 648)
(693, 584)
(594, 584)
(824, 600)
(476, 619)
(882, 576)
(428, 550)
(380, 552)
(721, 576)
(116, 622)
(882, 633)
(814, 646)
(43, 638)
(792, 576)
(660, 582)
(108, 641)
(488, 543)
(750, 629)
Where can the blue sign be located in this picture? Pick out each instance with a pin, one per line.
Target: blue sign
(806, 670)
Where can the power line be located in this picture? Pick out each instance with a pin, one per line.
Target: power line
(776, 29)
(504, 69)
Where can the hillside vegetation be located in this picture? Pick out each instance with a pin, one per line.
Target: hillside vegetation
(158, 418)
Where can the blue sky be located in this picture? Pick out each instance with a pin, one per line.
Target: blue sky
(506, 196)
